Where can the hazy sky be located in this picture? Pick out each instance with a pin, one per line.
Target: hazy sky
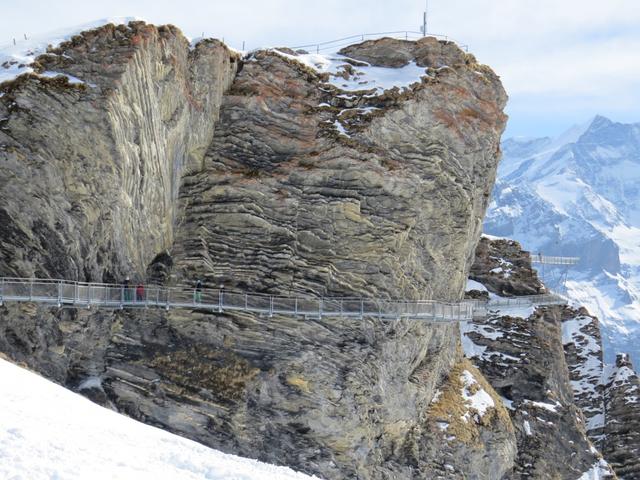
(562, 61)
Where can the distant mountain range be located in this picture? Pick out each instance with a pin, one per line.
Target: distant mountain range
(579, 195)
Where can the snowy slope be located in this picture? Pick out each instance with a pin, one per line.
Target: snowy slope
(48, 432)
(16, 59)
(579, 195)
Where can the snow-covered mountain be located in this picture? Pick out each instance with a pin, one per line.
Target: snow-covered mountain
(579, 195)
(49, 432)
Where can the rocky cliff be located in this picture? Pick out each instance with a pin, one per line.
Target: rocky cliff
(280, 172)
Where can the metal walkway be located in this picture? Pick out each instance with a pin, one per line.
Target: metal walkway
(553, 260)
(482, 308)
(65, 293)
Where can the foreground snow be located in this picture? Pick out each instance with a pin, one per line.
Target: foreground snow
(48, 432)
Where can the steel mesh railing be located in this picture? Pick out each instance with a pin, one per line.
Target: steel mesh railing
(334, 45)
(81, 294)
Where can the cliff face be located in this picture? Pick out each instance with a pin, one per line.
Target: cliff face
(304, 184)
(91, 170)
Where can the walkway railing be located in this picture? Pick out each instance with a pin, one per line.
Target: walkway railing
(553, 260)
(481, 308)
(335, 45)
(64, 293)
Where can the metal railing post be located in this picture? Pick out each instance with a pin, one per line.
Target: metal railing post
(121, 297)
(168, 299)
(361, 308)
(220, 301)
(320, 302)
(246, 301)
(295, 307)
(1, 291)
(59, 293)
(270, 306)
(30, 290)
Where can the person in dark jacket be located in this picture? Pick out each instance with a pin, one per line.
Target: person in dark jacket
(197, 294)
(126, 286)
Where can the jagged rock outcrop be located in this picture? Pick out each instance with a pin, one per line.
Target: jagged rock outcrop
(621, 445)
(542, 377)
(298, 187)
(503, 267)
(609, 395)
(584, 356)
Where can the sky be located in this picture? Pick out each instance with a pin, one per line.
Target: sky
(561, 61)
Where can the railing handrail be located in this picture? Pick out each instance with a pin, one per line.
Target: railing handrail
(362, 36)
(185, 288)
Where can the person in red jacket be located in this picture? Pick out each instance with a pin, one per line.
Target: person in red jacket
(140, 293)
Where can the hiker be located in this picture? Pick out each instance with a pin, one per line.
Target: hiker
(126, 286)
(140, 292)
(197, 294)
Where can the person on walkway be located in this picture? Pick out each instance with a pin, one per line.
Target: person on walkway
(140, 293)
(126, 286)
(197, 294)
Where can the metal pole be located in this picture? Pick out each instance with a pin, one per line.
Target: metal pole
(424, 19)
(59, 293)
(320, 307)
(361, 308)
(220, 299)
(296, 306)
(1, 291)
(168, 298)
(30, 290)
(270, 306)
(246, 301)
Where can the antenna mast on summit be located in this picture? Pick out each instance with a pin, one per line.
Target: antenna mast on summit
(424, 18)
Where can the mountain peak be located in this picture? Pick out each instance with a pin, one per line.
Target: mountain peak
(600, 121)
